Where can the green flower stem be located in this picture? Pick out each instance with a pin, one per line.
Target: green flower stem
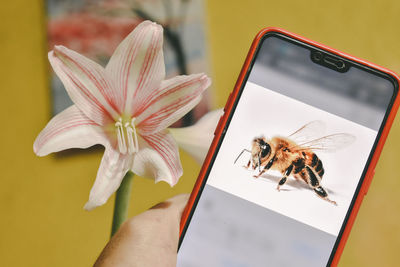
(121, 205)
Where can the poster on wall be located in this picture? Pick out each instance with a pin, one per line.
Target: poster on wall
(95, 28)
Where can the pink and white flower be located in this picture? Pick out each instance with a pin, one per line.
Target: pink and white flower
(126, 107)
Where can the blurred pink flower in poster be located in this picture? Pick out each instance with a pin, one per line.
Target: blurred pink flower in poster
(90, 34)
(94, 29)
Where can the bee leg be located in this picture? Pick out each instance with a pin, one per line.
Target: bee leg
(283, 180)
(254, 165)
(266, 168)
(261, 173)
(322, 194)
(248, 165)
(318, 189)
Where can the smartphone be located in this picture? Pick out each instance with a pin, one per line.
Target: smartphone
(292, 157)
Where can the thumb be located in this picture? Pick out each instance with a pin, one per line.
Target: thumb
(175, 205)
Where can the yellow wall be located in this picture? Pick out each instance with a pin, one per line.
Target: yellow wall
(42, 221)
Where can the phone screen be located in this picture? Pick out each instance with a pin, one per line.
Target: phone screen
(290, 161)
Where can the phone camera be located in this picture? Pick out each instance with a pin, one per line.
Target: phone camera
(317, 56)
(340, 64)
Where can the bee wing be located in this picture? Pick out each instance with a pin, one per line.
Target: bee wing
(329, 143)
(310, 131)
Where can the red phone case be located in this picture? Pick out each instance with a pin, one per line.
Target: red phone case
(228, 109)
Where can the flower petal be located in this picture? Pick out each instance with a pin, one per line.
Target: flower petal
(138, 64)
(158, 158)
(86, 83)
(171, 101)
(112, 170)
(68, 129)
(196, 139)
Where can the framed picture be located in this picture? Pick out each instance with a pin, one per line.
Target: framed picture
(95, 28)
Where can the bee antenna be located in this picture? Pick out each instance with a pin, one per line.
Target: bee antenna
(241, 154)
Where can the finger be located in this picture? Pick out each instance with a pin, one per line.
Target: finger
(170, 210)
(176, 203)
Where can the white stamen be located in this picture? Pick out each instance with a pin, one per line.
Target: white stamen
(129, 131)
(120, 136)
(134, 131)
(129, 144)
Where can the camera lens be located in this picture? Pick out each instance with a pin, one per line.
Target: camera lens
(340, 64)
(317, 56)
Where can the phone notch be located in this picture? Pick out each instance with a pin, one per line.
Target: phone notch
(329, 61)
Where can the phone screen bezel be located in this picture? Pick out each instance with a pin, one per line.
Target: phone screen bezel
(353, 62)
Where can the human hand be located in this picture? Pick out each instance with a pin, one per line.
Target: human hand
(148, 239)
